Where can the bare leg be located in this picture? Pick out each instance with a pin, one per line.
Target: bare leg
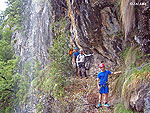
(106, 97)
(100, 97)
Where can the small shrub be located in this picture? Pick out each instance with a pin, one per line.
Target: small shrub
(120, 108)
(60, 68)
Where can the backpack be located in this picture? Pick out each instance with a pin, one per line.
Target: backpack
(71, 52)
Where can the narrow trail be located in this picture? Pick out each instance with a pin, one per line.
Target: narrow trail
(86, 89)
(83, 93)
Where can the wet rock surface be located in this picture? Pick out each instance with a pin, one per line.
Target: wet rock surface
(147, 103)
(137, 95)
(141, 99)
(95, 28)
(32, 45)
(143, 18)
(94, 25)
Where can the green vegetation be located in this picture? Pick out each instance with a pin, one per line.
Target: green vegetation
(120, 108)
(133, 80)
(7, 70)
(60, 66)
(127, 67)
(6, 84)
(1, 17)
(10, 20)
(13, 14)
(6, 52)
(54, 78)
(124, 54)
(119, 34)
(22, 85)
(136, 72)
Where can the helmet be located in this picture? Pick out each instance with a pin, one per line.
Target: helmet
(81, 50)
(101, 65)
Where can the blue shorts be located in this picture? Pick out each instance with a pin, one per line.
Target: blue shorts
(104, 90)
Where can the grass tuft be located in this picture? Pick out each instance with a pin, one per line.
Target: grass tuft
(120, 108)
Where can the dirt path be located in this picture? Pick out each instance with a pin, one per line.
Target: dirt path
(85, 90)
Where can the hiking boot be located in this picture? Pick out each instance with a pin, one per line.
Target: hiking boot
(99, 105)
(106, 105)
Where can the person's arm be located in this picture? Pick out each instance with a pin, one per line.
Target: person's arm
(88, 55)
(74, 58)
(117, 72)
(77, 59)
(98, 83)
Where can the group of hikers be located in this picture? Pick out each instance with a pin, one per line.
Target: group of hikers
(102, 77)
(79, 61)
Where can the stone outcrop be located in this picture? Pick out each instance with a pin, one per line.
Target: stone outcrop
(143, 25)
(95, 27)
(136, 22)
(137, 96)
(31, 45)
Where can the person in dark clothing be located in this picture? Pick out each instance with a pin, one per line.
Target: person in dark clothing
(81, 62)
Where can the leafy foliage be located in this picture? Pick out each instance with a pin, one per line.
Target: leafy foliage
(13, 14)
(54, 78)
(6, 33)
(10, 20)
(1, 17)
(7, 69)
(6, 52)
(61, 65)
(21, 89)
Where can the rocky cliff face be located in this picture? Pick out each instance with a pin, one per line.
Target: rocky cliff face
(31, 45)
(36, 37)
(95, 28)
(135, 21)
(143, 25)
